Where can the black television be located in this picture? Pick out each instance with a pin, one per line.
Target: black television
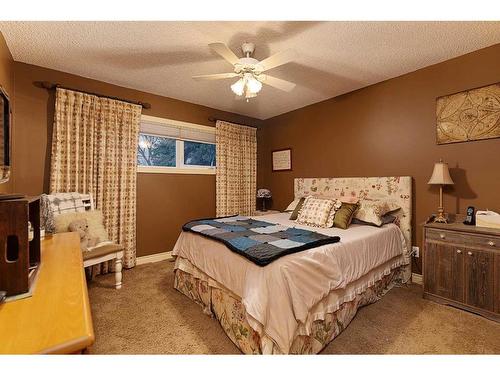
(5, 131)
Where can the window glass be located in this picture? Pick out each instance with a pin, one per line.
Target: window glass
(200, 154)
(156, 151)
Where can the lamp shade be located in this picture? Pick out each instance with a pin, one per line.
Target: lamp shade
(264, 193)
(238, 87)
(440, 175)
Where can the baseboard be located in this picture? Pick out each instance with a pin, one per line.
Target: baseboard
(167, 255)
(416, 278)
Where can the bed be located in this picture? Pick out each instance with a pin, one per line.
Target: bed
(302, 301)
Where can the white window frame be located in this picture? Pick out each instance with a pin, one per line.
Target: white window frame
(179, 149)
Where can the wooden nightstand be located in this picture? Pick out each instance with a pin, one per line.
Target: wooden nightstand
(461, 267)
(268, 212)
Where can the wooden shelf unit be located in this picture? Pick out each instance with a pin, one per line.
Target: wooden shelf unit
(19, 256)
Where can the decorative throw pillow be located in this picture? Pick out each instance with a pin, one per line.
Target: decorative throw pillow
(94, 220)
(333, 212)
(371, 211)
(344, 215)
(293, 205)
(297, 208)
(386, 219)
(315, 212)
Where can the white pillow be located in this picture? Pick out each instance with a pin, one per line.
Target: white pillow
(372, 210)
(292, 205)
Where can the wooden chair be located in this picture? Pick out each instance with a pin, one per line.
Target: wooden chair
(99, 254)
(103, 254)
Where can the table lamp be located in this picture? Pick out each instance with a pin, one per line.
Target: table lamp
(264, 194)
(440, 176)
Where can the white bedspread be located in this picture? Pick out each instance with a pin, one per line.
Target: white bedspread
(279, 296)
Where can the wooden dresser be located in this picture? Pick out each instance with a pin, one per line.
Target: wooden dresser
(56, 318)
(461, 267)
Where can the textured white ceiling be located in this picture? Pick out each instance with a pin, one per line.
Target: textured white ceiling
(160, 57)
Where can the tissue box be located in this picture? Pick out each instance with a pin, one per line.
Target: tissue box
(488, 219)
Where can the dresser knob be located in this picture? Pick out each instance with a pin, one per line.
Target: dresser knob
(442, 235)
(459, 251)
(469, 253)
(491, 243)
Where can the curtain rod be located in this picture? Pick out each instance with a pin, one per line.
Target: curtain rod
(213, 119)
(53, 86)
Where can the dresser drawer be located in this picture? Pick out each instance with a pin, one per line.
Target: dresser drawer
(461, 239)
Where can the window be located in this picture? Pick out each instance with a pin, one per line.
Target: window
(168, 146)
(156, 151)
(197, 153)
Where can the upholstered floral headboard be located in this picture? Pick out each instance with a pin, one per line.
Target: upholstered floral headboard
(397, 189)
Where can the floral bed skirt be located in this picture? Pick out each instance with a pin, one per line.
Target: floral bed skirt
(227, 308)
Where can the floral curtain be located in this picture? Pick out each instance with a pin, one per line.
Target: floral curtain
(94, 150)
(236, 176)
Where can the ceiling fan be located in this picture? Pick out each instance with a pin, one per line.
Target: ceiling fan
(250, 71)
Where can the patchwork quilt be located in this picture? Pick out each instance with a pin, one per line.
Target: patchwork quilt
(258, 241)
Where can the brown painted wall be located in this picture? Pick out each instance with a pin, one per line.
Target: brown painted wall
(389, 129)
(385, 129)
(7, 82)
(164, 201)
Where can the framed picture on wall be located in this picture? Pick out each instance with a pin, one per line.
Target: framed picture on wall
(469, 115)
(282, 160)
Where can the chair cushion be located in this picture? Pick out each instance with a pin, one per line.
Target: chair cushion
(101, 251)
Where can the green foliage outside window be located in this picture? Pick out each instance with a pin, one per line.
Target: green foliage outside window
(156, 151)
(196, 153)
(161, 152)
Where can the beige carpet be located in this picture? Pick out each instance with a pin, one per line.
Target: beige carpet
(148, 316)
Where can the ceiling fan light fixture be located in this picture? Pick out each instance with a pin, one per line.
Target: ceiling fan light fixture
(249, 70)
(238, 87)
(254, 85)
(249, 94)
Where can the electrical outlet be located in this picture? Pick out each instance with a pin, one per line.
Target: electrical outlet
(416, 251)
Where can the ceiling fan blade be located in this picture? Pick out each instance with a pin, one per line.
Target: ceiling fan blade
(278, 83)
(211, 77)
(275, 60)
(225, 52)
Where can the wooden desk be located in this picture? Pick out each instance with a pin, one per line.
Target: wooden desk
(56, 319)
